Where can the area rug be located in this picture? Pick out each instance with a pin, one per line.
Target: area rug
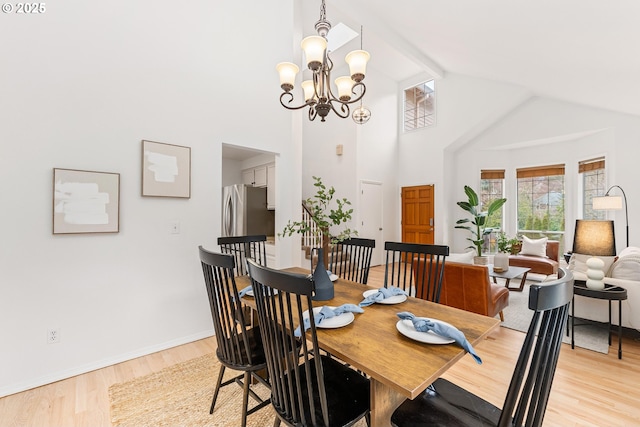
(518, 316)
(181, 395)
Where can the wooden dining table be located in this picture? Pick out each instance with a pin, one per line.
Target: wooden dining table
(399, 368)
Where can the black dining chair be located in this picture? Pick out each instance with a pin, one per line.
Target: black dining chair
(446, 404)
(307, 387)
(416, 268)
(239, 346)
(243, 247)
(351, 259)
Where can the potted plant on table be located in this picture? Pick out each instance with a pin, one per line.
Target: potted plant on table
(501, 259)
(477, 224)
(326, 218)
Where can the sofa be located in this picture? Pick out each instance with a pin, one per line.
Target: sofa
(545, 261)
(622, 270)
(468, 287)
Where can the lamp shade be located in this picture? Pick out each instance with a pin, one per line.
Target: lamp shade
(314, 48)
(345, 84)
(357, 61)
(595, 238)
(607, 203)
(309, 91)
(287, 72)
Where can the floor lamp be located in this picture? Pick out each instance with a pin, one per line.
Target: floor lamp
(608, 202)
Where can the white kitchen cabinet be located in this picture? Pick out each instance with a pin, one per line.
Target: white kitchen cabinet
(256, 177)
(271, 186)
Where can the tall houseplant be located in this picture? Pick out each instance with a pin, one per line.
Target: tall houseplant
(325, 217)
(476, 225)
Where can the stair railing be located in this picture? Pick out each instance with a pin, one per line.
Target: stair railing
(312, 238)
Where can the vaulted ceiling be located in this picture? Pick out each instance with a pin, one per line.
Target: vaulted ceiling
(582, 51)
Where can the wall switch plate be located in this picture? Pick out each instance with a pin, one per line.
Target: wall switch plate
(174, 227)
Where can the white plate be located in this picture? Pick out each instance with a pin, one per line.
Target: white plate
(405, 327)
(396, 299)
(333, 322)
(333, 277)
(249, 293)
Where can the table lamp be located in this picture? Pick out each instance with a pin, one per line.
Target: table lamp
(595, 238)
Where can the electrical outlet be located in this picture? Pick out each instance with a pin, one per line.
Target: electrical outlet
(174, 227)
(53, 336)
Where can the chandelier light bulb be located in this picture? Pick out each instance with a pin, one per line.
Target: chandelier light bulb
(314, 48)
(287, 72)
(345, 84)
(357, 61)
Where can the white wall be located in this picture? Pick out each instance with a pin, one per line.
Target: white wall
(369, 150)
(465, 106)
(81, 86)
(545, 131)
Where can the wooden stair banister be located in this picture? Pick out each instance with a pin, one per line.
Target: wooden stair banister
(312, 238)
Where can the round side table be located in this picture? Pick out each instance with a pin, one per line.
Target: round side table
(610, 293)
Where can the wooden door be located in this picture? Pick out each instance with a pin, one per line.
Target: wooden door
(417, 214)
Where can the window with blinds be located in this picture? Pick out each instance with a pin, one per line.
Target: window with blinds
(419, 106)
(593, 185)
(541, 201)
(491, 188)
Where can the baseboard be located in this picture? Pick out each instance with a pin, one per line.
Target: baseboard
(99, 364)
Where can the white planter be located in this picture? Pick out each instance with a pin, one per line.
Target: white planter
(501, 261)
(481, 260)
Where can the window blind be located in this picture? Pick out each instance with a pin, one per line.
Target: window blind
(590, 165)
(539, 171)
(492, 174)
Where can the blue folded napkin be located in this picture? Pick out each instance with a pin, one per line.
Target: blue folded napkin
(382, 293)
(244, 291)
(327, 312)
(423, 324)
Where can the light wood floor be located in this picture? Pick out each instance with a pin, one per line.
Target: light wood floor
(590, 389)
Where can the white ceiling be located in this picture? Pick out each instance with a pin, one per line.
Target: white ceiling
(582, 51)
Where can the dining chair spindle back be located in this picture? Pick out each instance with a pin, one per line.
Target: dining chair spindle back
(416, 268)
(243, 247)
(351, 259)
(239, 346)
(446, 404)
(307, 387)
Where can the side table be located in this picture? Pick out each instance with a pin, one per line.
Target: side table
(610, 293)
(511, 273)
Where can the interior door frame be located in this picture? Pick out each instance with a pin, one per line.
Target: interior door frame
(378, 252)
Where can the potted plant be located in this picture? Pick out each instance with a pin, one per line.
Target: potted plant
(501, 259)
(477, 224)
(326, 218)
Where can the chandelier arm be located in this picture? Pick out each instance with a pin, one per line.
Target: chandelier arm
(344, 107)
(283, 94)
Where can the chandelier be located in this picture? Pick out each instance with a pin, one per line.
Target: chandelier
(318, 93)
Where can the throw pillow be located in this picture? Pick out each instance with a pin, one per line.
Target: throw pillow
(628, 251)
(535, 247)
(463, 258)
(626, 267)
(578, 262)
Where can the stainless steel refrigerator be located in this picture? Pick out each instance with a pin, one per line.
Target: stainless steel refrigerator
(244, 211)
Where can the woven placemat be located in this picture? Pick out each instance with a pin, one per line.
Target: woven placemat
(181, 395)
